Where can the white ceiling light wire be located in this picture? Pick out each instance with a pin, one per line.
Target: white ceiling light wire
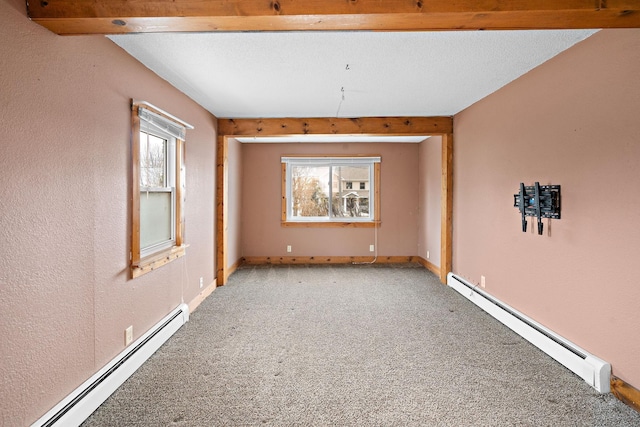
(340, 103)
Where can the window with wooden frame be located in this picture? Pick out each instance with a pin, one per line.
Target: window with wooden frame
(319, 191)
(158, 188)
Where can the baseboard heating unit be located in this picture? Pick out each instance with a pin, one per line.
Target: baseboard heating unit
(594, 371)
(81, 403)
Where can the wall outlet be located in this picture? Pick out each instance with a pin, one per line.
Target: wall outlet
(482, 282)
(372, 248)
(427, 254)
(288, 248)
(201, 281)
(128, 335)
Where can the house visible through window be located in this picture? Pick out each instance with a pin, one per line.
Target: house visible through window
(158, 173)
(321, 190)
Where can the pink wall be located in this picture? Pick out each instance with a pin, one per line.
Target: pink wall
(262, 234)
(574, 121)
(65, 295)
(430, 170)
(234, 202)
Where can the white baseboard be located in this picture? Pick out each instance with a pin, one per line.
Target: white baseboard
(594, 371)
(85, 399)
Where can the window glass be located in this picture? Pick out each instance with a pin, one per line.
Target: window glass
(310, 191)
(325, 191)
(155, 218)
(157, 190)
(153, 160)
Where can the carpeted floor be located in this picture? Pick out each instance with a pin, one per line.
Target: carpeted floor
(351, 346)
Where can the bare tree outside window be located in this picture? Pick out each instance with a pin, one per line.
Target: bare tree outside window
(309, 185)
(153, 152)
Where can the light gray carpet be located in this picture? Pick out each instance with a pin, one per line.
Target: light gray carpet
(351, 346)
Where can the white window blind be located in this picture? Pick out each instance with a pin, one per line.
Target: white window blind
(174, 129)
(330, 160)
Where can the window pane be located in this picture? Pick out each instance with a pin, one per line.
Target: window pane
(347, 201)
(153, 157)
(310, 191)
(155, 218)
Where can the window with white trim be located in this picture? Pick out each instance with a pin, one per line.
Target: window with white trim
(158, 188)
(321, 190)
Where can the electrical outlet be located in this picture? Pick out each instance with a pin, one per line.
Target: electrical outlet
(482, 282)
(128, 335)
(427, 254)
(372, 248)
(288, 248)
(201, 281)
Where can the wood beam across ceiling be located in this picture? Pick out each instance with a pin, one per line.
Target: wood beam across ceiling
(397, 126)
(126, 16)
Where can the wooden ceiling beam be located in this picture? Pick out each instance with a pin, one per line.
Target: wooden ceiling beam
(395, 126)
(136, 16)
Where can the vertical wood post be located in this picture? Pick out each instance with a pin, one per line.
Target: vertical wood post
(221, 214)
(446, 204)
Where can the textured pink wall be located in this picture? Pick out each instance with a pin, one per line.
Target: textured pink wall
(234, 202)
(574, 121)
(262, 234)
(65, 295)
(430, 169)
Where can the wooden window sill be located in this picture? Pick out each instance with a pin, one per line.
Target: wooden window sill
(153, 262)
(332, 224)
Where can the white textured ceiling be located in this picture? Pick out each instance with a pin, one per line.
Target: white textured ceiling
(343, 74)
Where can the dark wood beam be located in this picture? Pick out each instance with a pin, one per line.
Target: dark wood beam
(337, 126)
(131, 16)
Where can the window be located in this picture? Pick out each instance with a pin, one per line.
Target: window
(320, 191)
(158, 188)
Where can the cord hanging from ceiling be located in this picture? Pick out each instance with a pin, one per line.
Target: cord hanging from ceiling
(342, 95)
(340, 103)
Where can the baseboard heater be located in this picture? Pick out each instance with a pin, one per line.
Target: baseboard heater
(593, 370)
(85, 399)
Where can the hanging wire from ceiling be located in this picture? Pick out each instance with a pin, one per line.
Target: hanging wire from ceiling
(341, 95)
(340, 103)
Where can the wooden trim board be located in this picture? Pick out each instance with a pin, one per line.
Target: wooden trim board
(446, 206)
(229, 271)
(202, 296)
(625, 392)
(221, 199)
(331, 224)
(428, 265)
(395, 126)
(147, 265)
(292, 260)
(123, 16)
